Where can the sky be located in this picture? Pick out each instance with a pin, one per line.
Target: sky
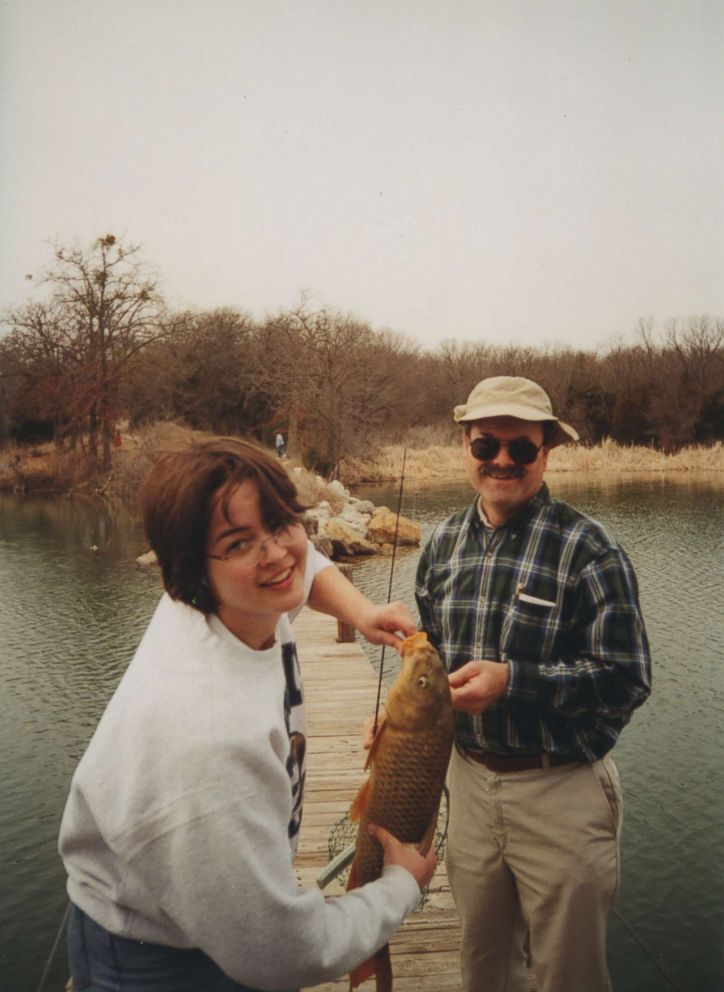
(539, 172)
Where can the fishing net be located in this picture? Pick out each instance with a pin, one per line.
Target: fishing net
(344, 833)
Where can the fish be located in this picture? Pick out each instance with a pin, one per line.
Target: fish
(407, 765)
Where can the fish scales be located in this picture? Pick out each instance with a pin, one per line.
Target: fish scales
(405, 789)
(407, 765)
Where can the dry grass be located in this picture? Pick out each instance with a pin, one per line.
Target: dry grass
(44, 468)
(41, 468)
(612, 457)
(444, 462)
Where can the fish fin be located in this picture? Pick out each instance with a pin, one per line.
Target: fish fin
(380, 966)
(429, 836)
(360, 802)
(362, 973)
(376, 743)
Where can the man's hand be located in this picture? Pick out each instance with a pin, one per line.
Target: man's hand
(406, 855)
(382, 624)
(477, 685)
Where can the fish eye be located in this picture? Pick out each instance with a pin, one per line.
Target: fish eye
(423, 681)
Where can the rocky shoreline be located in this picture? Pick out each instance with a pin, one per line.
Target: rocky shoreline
(360, 528)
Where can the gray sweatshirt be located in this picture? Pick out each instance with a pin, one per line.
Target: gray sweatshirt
(183, 814)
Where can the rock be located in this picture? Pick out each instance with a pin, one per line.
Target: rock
(346, 541)
(310, 524)
(381, 529)
(357, 521)
(323, 544)
(322, 512)
(362, 505)
(149, 558)
(338, 489)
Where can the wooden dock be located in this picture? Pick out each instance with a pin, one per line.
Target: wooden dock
(340, 688)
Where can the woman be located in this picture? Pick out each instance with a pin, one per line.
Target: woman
(183, 814)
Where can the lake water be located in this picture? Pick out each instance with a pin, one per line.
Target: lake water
(73, 605)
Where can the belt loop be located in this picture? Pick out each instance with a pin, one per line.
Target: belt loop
(545, 760)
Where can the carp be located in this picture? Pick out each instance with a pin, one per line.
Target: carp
(407, 764)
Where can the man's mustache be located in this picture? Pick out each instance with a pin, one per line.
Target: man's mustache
(510, 472)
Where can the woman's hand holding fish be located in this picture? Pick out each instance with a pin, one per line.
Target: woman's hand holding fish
(380, 624)
(477, 685)
(422, 868)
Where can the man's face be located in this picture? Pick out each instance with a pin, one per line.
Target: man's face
(503, 485)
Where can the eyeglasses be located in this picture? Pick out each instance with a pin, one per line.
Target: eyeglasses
(248, 552)
(521, 449)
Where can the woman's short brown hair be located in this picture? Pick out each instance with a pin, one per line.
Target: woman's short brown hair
(177, 500)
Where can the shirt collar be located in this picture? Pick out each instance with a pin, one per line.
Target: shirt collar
(528, 510)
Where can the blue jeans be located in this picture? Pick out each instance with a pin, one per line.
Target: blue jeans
(102, 962)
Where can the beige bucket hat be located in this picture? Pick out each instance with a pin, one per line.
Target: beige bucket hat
(513, 396)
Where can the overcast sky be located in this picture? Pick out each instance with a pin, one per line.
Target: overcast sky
(535, 171)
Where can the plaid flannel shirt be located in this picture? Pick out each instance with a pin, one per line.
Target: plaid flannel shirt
(553, 595)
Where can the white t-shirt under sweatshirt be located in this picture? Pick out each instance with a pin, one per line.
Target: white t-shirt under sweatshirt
(183, 814)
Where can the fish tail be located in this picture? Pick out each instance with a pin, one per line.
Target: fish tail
(362, 973)
(383, 969)
(378, 965)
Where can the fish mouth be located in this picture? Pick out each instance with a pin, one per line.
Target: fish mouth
(278, 579)
(413, 642)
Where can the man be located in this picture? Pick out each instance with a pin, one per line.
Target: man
(534, 609)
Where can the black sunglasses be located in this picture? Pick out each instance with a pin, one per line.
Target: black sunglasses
(521, 450)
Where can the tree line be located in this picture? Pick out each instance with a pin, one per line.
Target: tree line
(99, 346)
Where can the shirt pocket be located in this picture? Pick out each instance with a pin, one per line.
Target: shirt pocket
(529, 629)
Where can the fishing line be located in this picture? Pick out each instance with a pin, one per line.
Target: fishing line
(53, 949)
(389, 590)
(646, 951)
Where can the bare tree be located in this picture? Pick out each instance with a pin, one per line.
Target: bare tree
(108, 307)
(698, 350)
(35, 357)
(335, 379)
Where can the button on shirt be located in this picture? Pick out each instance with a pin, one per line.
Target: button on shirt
(552, 594)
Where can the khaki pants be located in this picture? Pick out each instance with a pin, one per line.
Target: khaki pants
(533, 862)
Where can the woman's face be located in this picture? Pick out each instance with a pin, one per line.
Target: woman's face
(252, 595)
